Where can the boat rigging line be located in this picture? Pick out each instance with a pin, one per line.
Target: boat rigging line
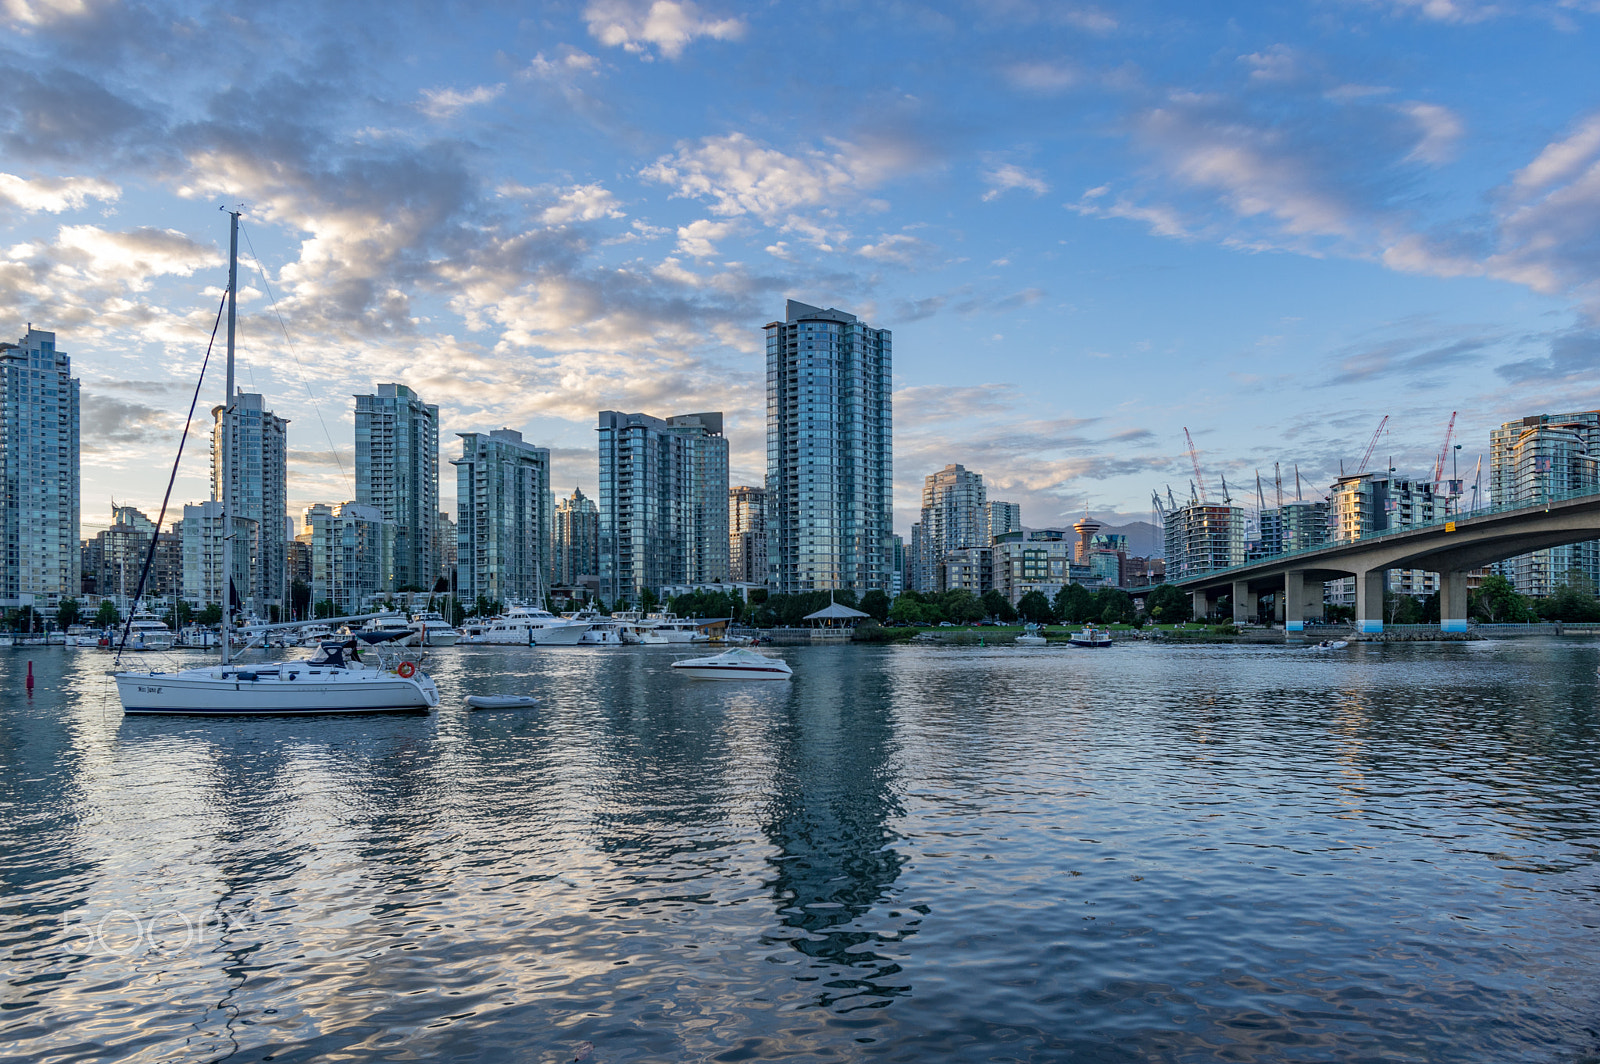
(150, 555)
(304, 380)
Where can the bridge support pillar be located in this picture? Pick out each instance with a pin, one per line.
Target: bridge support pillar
(1295, 607)
(1199, 605)
(1278, 614)
(1453, 602)
(1369, 601)
(1244, 603)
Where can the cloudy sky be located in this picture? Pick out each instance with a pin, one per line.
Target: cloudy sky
(1088, 226)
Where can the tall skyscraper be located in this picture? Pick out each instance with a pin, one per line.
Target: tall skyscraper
(503, 507)
(747, 534)
(1000, 518)
(830, 452)
(663, 502)
(1365, 504)
(258, 451)
(39, 551)
(577, 538)
(1539, 457)
(954, 517)
(397, 472)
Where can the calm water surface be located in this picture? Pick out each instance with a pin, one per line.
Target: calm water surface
(904, 854)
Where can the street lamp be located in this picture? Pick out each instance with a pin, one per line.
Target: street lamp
(1455, 477)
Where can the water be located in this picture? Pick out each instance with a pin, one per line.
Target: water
(904, 854)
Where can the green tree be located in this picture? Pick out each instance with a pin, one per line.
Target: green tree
(211, 615)
(179, 616)
(441, 586)
(1075, 605)
(1574, 600)
(648, 602)
(1497, 602)
(875, 603)
(300, 598)
(1034, 608)
(68, 613)
(1167, 605)
(1113, 606)
(324, 609)
(107, 616)
(998, 607)
(961, 606)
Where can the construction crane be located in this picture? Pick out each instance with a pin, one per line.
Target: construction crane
(1477, 476)
(1227, 500)
(1362, 468)
(1194, 457)
(1298, 497)
(1444, 452)
(1261, 500)
(1277, 478)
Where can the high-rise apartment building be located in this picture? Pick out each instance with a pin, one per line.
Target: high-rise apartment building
(663, 502)
(352, 554)
(747, 534)
(114, 560)
(1541, 457)
(1202, 537)
(1367, 504)
(397, 471)
(503, 510)
(1000, 518)
(259, 485)
(954, 517)
(1296, 525)
(39, 550)
(830, 452)
(445, 533)
(204, 581)
(577, 538)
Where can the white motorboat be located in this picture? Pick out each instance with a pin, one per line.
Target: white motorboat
(145, 631)
(1329, 644)
(314, 635)
(502, 701)
(204, 638)
(1090, 636)
(739, 663)
(433, 630)
(674, 629)
(532, 626)
(475, 631)
(83, 635)
(1031, 636)
(386, 627)
(328, 682)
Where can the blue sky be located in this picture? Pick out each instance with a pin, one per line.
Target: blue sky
(1088, 226)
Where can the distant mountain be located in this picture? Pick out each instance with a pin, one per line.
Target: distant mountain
(1144, 539)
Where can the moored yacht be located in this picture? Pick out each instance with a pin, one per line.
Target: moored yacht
(433, 630)
(146, 632)
(386, 627)
(532, 626)
(675, 629)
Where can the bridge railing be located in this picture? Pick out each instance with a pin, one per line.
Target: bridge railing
(1544, 500)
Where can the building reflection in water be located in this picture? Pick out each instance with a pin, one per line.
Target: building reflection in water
(834, 796)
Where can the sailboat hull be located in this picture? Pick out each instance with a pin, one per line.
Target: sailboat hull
(232, 693)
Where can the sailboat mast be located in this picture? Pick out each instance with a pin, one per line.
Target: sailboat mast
(225, 477)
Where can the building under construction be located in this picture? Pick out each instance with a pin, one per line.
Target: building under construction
(1202, 537)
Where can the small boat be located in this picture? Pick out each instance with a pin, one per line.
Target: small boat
(386, 627)
(1329, 644)
(433, 630)
(1032, 636)
(502, 701)
(737, 664)
(1090, 636)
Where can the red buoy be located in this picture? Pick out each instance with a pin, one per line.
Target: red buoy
(30, 677)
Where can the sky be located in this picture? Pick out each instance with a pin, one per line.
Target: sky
(1089, 227)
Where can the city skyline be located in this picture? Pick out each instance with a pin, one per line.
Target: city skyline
(1102, 226)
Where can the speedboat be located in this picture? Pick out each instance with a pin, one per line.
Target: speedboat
(1090, 637)
(433, 630)
(327, 682)
(1329, 644)
(739, 663)
(1031, 637)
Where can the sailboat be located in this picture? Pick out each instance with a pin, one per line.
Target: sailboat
(328, 682)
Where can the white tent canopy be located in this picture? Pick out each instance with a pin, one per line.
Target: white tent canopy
(835, 612)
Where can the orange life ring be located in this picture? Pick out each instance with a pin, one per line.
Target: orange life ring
(406, 670)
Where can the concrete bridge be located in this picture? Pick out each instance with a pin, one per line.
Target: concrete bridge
(1451, 548)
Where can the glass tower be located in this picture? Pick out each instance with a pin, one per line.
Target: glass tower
(397, 472)
(830, 461)
(39, 555)
(503, 506)
(1536, 458)
(258, 452)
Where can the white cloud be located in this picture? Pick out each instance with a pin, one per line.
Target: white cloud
(696, 237)
(1561, 160)
(1002, 178)
(669, 25)
(900, 248)
(32, 13)
(54, 194)
(1441, 129)
(1277, 64)
(443, 103)
(135, 255)
(582, 203)
(1041, 77)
